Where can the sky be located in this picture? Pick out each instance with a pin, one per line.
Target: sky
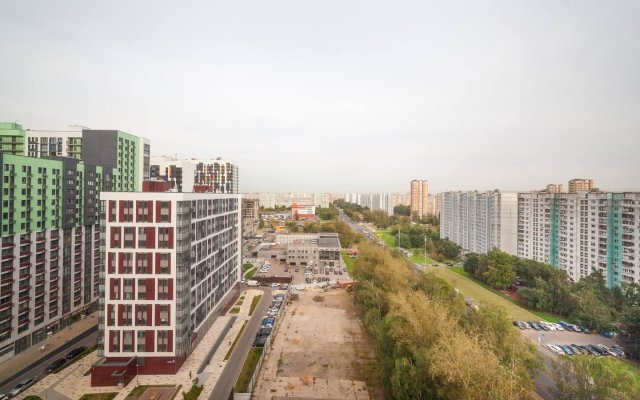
(343, 96)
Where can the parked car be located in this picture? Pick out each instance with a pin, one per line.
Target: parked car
(608, 335)
(22, 386)
(75, 352)
(275, 285)
(55, 365)
(264, 331)
(260, 341)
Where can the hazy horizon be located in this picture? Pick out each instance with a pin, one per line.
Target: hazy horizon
(343, 97)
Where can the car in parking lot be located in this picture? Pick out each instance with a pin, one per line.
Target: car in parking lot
(75, 352)
(55, 365)
(22, 386)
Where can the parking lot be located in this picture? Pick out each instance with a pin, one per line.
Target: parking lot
(279, 269)
(543, 338)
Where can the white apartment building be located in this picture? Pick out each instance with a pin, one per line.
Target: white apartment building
(217, 175)
(480, 221)
(172, 261)
(582, 232)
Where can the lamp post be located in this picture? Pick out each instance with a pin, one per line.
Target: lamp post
(425, 252)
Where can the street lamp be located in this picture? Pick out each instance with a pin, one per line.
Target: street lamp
(425, 252)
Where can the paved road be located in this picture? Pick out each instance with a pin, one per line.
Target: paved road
(229, 375)
(37, 369)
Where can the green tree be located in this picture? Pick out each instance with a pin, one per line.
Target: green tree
(471, 263)
(630, 324)
(594, 378)
(501, 270)
(401, 210)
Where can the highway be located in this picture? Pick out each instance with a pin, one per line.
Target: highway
(227, 379)
(37, 369)
(543, 381)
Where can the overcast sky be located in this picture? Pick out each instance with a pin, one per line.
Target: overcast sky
(343, 95)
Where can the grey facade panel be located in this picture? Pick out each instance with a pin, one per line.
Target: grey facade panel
(100, 147)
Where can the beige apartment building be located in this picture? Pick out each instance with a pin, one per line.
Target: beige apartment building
(419, 198)
(581, 185)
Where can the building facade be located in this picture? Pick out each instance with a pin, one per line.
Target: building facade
(419, 198)
(219, 176)
(581, 185)
(303, 212)
(50, 240)
(172, 261)
(480, 221)
(250, 217)
(582, 232)
(12, 138)
(434, 204)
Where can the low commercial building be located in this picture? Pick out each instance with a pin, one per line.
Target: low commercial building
(303, 211)
(302, 249)
(171, 263)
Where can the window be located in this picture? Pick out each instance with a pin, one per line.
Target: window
(164, 315)
(163, 289)
(128, 288)
(141, 341)
(164, 264)
(142, 263)
(142, 317)
(163, 341)
(129, 235)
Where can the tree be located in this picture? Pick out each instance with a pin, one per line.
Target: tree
(471, 263)
(501, 270)
(448, 249)
(630, 324)
(593, 378)
(401, 210)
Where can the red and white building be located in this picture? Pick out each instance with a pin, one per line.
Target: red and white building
(171, 263)
(303, 212)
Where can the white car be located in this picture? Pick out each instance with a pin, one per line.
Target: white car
(275, 286)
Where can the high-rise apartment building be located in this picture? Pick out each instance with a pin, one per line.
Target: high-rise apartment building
(555, 188)
(217, 176)
(480, 221)
(250, 217)
(172, 261)
(419, 198)
(582, 232)
(581, 185)
(12, 138)
(49, 274)
(434, 204)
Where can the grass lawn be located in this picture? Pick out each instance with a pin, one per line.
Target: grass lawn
(248, 369)
(250, 274)
(194, 393)
(234, 310)
(419, 258)
(98, 396)
(387, 238)
(254, 304)
(233, 345)
(348, 261)
(480, 294)
(539, 314)
(246, 266)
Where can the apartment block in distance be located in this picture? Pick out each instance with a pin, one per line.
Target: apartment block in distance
(49, 274)
(581, 185)
(250, 217)
(217, 176)
(582, 232)
(172, 261)
(419, 198)
(480, 221)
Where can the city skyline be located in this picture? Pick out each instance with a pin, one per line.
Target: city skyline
(515, 93)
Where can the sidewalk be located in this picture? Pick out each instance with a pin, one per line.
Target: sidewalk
(18, 362)
(71, 383)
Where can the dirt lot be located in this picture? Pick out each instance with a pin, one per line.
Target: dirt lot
(320, 351)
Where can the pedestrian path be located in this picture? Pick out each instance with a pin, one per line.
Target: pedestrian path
(18, 362)
(72, 383)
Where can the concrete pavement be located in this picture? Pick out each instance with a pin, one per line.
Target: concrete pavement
(230, 373)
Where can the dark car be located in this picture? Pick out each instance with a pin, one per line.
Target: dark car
(260, 341)
(75, 352)
(264, 332)
(55, 365)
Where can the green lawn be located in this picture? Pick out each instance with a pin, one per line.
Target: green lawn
(250, 274)
(348, 261)
(482, 295)
(539, 314)
(248, 369)
(96, 396)
(246, 266)
(254, 304)
(194, 393)
(387, 238)
(233, 345)
(419, 258)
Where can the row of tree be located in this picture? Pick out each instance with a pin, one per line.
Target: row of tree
(540, 286)
(429, 344)
(413, 236)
